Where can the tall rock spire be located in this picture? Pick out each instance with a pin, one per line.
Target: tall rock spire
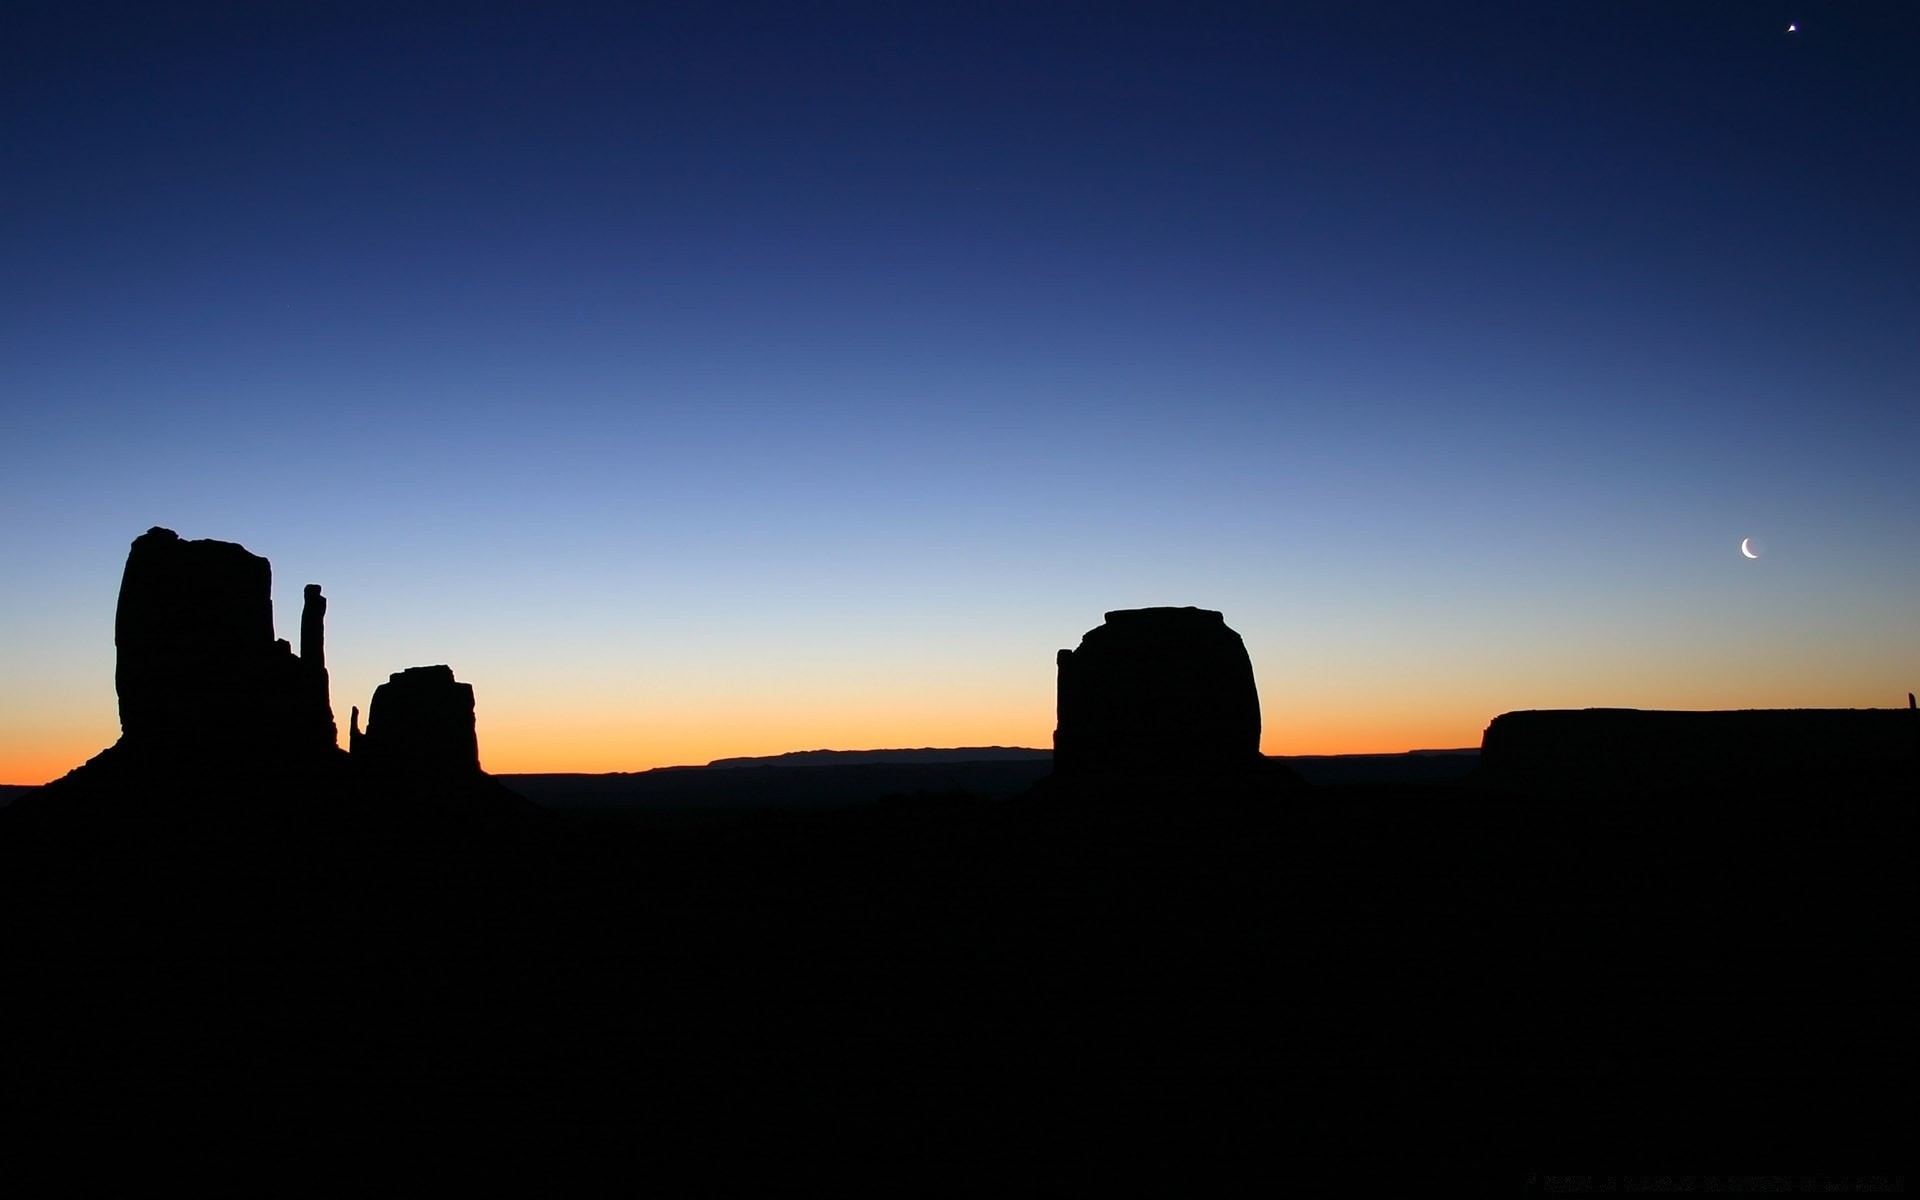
(313, 658)
(313, 632)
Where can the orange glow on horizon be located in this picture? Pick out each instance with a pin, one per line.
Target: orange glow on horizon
(601, 747)
(528, 738)
(48, 761)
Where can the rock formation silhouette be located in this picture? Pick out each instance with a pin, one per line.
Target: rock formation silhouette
(420, 726)
(1624, 751)
(1139, 947)
(313, 653)
(219, 717)
(199, 673)
(1157, 690)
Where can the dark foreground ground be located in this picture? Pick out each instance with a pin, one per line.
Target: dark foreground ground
(1432, 976)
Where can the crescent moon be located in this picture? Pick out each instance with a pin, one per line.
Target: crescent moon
(1744, 550)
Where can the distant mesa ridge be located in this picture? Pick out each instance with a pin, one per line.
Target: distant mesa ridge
(1624, 750)
(927, 754)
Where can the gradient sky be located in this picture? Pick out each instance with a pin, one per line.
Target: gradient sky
(712, 379)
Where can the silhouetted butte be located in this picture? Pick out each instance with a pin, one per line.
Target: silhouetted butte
(202, 681)
(419, 725)
(212, 705)
(1157, 691)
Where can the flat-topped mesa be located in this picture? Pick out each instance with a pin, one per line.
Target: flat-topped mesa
(198, 670)
(419, 725)
(1809, 752)
(1157, 691)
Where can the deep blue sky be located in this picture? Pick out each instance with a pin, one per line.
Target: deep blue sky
(723, 378)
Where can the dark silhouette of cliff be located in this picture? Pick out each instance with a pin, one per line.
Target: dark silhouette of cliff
(209, 697)
(1155, 693)
(421, 741)
(198, 669)
(1450, 973)
(1157, 689)
(221, 721)
(1619, 751)
(420, 725)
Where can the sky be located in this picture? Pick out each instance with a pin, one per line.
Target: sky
(717, 379)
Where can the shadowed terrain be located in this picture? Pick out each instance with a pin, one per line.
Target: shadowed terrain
(1229, 963)
(1457, 973)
